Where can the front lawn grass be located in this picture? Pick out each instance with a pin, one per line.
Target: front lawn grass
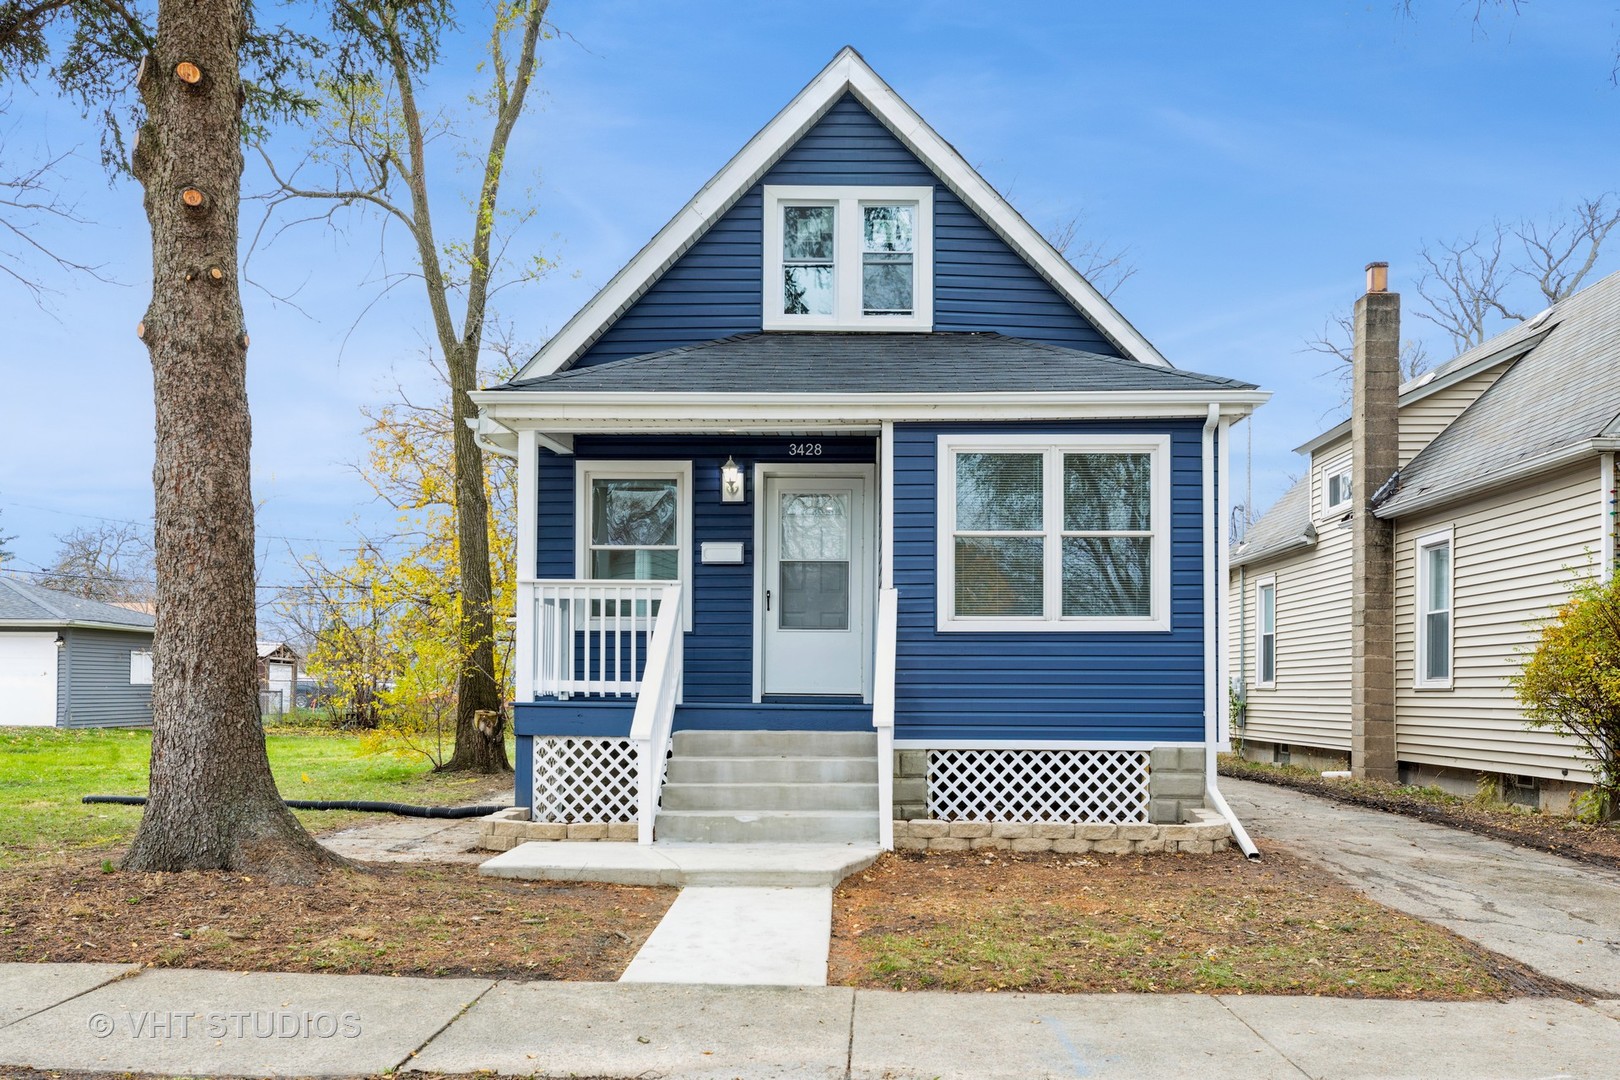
(988, 921)
(44, 771)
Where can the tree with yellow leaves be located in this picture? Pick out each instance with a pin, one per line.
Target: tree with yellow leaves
(388, 627)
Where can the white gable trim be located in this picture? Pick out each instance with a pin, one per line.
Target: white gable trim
(847, 72)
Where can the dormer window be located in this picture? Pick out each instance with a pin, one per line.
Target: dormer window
(1336, 489)
(848, 258)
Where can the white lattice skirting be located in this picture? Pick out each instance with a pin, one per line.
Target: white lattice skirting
(580, 780)
(1038, 785)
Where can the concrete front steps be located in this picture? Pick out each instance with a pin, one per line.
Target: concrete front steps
(771, 787)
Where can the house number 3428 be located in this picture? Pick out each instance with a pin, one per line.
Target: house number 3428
(804, 449)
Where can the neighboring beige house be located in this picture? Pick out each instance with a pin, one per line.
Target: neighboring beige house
(1505, 496)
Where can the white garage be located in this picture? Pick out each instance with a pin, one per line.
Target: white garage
(28, 679)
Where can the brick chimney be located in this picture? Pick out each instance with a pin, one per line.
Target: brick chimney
(1374, 435)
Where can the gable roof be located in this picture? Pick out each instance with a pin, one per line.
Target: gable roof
(26, 604)
(826, 363)
(1509, 345)
(1286, 526)
(848, 73)
(1560, 401)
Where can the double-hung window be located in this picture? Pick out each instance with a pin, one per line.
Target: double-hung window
(848, 258)
(1266, 631)
(1434, 625)
(1054, 533)
(635, 522)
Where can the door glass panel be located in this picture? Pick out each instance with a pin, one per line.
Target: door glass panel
(815, 596)
(814, 576)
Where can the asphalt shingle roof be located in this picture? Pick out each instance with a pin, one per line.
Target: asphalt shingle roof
(1286, 525)
(22, 601)
(844, 363)
(1564, 391)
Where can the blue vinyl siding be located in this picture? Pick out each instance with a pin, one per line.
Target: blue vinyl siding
(1097, 686)
(720, 648)
(714, 290)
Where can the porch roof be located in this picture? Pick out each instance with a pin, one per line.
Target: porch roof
(870, 363)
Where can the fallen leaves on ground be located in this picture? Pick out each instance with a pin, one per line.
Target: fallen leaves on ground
(994, 921)
(418, 920)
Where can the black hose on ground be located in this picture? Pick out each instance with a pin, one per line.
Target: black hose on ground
(402, 809)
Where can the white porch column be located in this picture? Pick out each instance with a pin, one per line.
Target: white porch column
(528, 509)
(886, 506)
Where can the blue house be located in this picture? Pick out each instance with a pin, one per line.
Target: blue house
(849, 505)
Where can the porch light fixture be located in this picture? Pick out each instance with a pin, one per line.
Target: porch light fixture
(731, 481)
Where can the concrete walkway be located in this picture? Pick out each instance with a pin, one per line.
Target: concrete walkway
(1560, 917)
(406, 839)
(103, 1017)
(739, 937)
(682, 864)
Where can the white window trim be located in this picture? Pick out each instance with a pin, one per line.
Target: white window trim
(1420, 575)
(679, 471)
(1269, 581)
(846, 258)
(1052, 622)
(135, 672)
(1328, 473)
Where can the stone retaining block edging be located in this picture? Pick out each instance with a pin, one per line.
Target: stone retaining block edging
(1204, 833)
(508, 828)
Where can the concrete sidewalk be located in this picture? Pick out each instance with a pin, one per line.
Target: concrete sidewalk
(104, 1017)
(1557, 916)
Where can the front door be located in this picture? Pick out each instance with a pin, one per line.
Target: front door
(814, 601)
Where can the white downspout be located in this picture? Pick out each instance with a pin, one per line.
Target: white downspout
(1213, 596)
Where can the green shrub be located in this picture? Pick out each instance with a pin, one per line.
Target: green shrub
(1571, 684)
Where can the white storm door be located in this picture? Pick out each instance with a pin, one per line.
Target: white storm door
(815, 602)
(28, 679)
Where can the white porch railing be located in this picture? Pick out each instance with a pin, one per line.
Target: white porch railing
(654, 720)
(888, 623)
(588, 638)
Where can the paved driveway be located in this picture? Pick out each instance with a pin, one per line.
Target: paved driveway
(1560, 917)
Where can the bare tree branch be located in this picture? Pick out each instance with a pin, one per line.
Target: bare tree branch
(1107, 268)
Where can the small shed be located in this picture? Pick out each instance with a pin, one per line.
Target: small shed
(70, 662)
(278, 677)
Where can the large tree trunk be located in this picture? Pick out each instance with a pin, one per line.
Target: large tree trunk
(213, 803)
(480, 719)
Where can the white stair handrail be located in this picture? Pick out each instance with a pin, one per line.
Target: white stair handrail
(888, 625)
(653, 724)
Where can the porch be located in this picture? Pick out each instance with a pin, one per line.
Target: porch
(600, 715)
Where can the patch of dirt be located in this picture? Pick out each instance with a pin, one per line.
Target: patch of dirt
(1595, 845)
(396, 920)
(995, 921)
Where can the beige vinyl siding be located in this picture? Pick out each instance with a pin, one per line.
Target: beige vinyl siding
(1310, 703)
(1514, 555)
(1422, 420)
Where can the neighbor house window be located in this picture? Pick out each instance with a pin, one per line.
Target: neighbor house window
(1336, 489)
(848, 258)
(140, 667)
(1043, 533)
(1434, 623)
(634, 522)
(1266, 624)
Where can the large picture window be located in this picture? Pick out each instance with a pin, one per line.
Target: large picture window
(1041, 533)
(634, 522)
(1434, 629)
(848, 258)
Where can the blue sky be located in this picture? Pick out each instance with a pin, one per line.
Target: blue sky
(1252, 158)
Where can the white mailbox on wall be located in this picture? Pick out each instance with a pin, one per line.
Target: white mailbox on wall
(722, 553)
